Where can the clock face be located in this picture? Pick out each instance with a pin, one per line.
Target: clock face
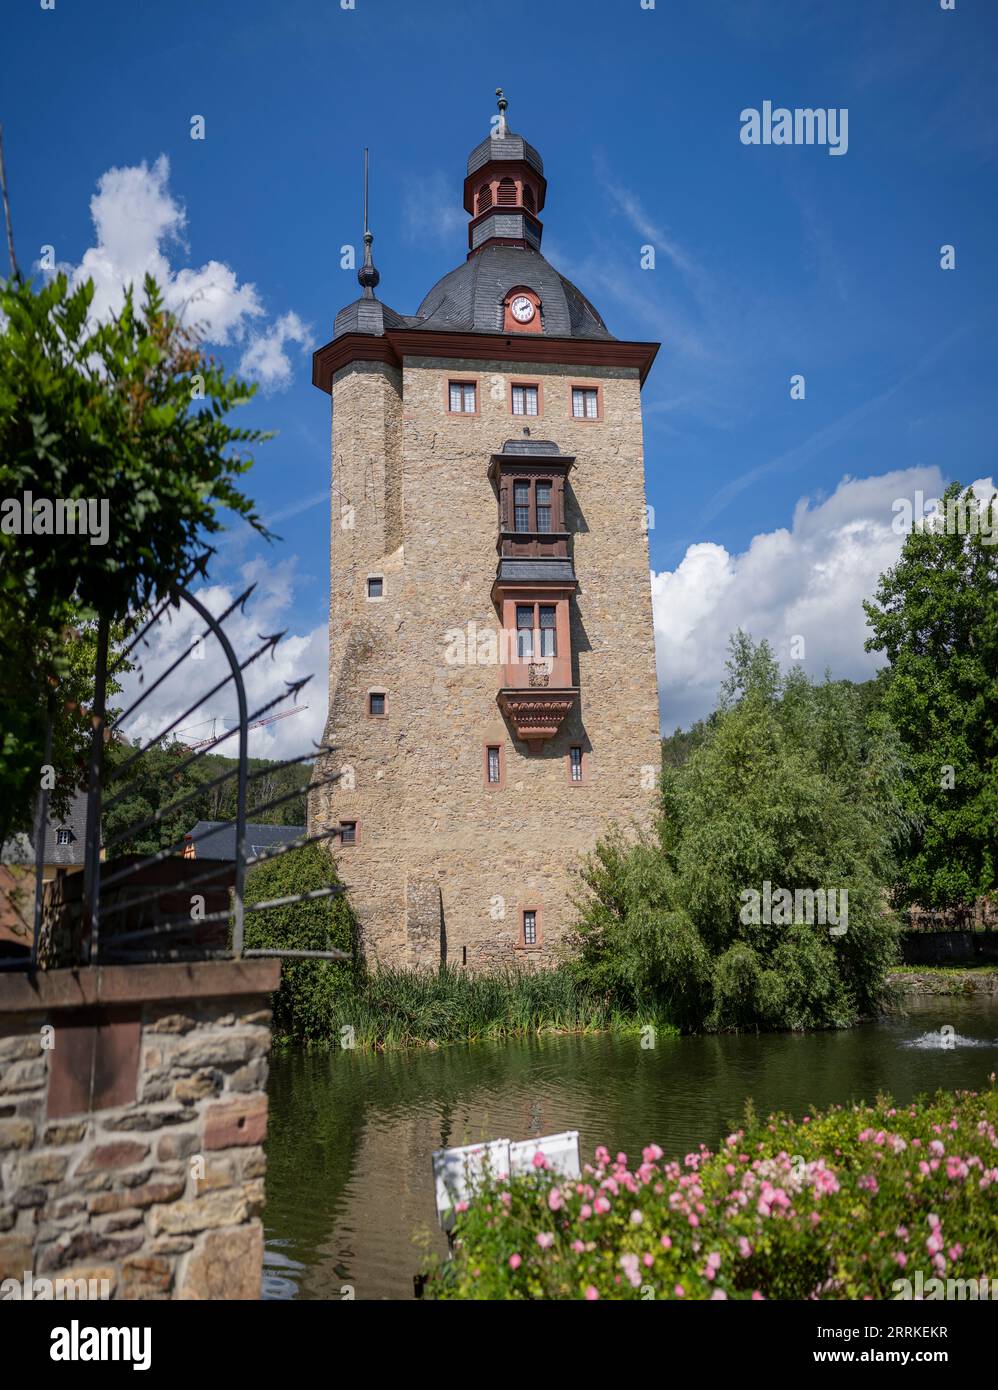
(522, 309)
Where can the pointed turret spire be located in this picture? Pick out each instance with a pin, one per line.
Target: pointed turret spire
(367, 274)
(501, 130)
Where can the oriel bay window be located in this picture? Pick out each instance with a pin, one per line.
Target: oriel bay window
(533, 506)
(524, 631)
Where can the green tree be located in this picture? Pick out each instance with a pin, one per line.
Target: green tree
(129, 412)
(935, 616)
(789, 786)
(304, 1006)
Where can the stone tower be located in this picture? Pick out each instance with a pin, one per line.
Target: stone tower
(492, 689)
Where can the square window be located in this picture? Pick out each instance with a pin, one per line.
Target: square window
(375, 587)
(348, 832)
(524, 400)
(529, 927)
(575, 763)
(585, 403)
(462, 397)
(376, 703)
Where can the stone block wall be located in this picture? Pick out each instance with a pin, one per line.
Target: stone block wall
(413, 781)
(133, 1113)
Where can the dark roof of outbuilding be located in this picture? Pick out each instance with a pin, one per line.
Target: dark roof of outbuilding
(21, 849)
(215, 839)
(470, 299)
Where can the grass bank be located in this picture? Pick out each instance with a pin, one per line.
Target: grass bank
(396, 1008)
(877, 1200)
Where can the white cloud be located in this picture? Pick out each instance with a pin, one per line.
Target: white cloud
(429, 210)
(137, 221)
(809, 581)
(266, 361)
(296, 656)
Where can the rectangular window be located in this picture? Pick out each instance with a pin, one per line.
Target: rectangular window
(376, 703)
(575, 763)
(524, 400)
(348, 832)
(585, 403)
(462, 397)
(524, 631)
(529, 927)
(548, 633)
(521, 506)
(375, 587)
(493, 755)
(543, 498)
(62, 837)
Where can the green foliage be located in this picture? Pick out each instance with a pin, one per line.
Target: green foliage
(110, 412)
(841, 1207)
(935, 616)
(790, 784)
(154, 782)
(306, 1003)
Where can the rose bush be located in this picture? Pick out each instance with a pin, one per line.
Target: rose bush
(841, 1204)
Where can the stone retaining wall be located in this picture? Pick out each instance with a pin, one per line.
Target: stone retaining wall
(133, 1112)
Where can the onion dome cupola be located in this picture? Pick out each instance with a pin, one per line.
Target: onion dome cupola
(505, 188)
(367, 314)
(505, 285)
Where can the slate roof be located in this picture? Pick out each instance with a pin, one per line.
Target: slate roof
(531, 448)
(530, 571)
(366, 315)
(20, 849)
(215, 839)
(470, 299)
(509, 146)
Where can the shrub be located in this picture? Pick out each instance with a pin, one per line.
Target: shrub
(305, 1004)
(842, 1205)
(789, 783)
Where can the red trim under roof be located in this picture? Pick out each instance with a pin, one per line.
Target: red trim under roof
(398, 343)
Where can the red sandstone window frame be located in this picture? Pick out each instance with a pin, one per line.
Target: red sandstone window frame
(486, 745)
(474, 381)
(586, 386)
(583, 777)
(538, 942)
(349, 844)
(367, 703)
(533, 384)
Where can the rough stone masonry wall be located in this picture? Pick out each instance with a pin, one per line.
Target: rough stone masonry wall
(416, 788)
(132, 1118)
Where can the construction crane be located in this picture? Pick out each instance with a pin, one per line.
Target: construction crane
(258, 724)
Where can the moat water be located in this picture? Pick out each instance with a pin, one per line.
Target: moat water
(349, 1187)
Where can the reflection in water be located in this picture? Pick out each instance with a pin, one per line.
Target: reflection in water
(349, 1189)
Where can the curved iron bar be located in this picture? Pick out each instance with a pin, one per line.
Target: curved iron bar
(237, 677)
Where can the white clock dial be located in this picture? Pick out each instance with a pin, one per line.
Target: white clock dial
(523, 310)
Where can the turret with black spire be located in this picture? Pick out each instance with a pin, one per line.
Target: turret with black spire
(367, 314)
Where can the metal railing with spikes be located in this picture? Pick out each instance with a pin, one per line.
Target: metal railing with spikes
(116, 909)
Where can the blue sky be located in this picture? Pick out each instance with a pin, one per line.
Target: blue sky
(770, 261)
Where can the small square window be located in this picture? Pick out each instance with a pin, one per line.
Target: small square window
(348, 832)
(461, 396)
(375, 587)
(376, 703)
(585, 403)
(529, 927)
